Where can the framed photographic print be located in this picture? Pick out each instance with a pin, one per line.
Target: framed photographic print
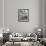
(23, 15)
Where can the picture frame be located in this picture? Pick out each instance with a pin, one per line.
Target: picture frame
(23, 15)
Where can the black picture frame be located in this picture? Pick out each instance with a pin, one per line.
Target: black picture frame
(23, 15)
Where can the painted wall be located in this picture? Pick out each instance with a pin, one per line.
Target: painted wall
(1, 15)
(11, 15)
(44, 18)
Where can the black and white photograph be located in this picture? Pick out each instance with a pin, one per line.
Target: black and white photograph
(22, 22)
(23, 15)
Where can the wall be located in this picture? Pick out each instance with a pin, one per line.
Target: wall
(44, 18)
(1, 15)
(11, 15)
